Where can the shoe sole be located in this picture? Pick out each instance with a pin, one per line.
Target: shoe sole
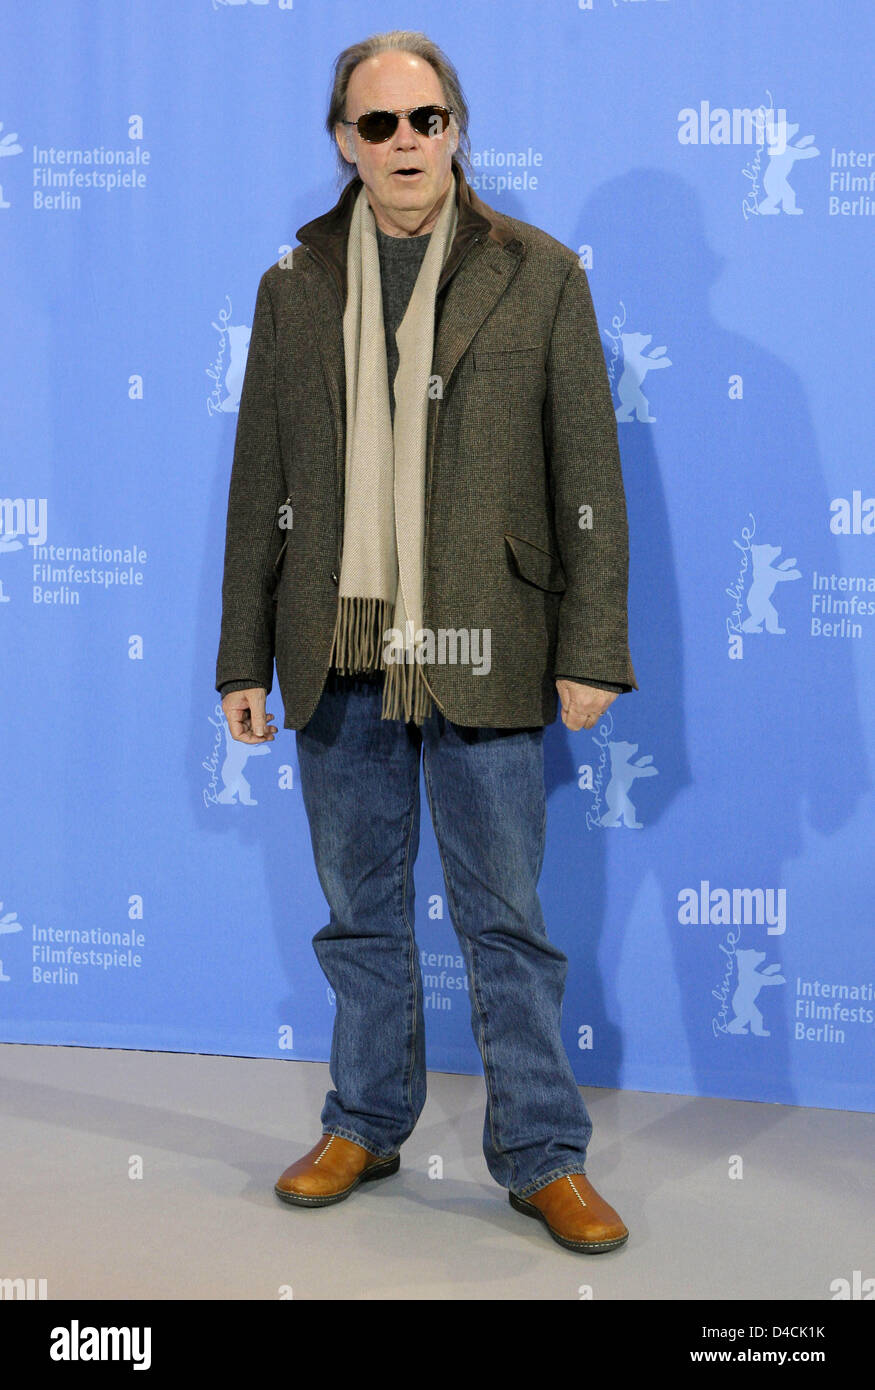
(383, 1169)
(583, 1247)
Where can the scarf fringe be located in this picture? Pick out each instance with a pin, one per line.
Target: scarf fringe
(359, 645)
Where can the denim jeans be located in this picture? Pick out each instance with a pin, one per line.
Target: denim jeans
(360, 783)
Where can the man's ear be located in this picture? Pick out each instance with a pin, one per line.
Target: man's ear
(341, 138)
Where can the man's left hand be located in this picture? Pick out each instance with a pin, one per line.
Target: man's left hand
(582, 705)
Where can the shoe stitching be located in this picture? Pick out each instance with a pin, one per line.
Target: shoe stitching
(595, 1244)
(575, 1191)
(324, 1151)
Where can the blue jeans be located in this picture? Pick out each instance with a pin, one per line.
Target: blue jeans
(360, 783)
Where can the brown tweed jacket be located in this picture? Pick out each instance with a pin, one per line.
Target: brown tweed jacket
(521, 437)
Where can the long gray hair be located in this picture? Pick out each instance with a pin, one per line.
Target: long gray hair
(404, 41)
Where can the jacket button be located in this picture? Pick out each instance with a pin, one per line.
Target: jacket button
(334, 578)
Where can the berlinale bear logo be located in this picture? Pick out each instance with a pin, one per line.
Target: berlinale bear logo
(782, 156)
(636, 365)
(623, 774)
(750, 982)
(762, 586)
(237, 755)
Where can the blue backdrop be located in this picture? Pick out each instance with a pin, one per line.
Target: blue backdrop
(709, 868)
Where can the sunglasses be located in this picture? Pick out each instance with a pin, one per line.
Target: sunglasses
(378, 126)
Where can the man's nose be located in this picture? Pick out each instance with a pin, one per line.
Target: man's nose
(405, 134)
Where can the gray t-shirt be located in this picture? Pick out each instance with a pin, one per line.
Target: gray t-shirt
(401, 258)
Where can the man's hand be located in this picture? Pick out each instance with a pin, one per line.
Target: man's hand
(582, 705)
(244, 711)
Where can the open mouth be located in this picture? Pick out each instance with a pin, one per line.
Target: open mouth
(407, 173)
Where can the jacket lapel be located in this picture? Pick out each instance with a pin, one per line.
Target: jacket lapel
(479, 284)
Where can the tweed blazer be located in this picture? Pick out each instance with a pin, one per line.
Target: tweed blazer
(521, 440)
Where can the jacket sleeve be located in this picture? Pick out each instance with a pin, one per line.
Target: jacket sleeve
(227, 686)
(253, 538)
(582, 680)
(583, 459)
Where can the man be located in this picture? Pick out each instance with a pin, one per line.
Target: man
(476, 508)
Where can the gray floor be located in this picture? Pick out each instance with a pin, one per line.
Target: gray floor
(214, 1133)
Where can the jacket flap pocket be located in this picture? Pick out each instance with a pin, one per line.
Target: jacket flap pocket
(505, 359)
(540, 567)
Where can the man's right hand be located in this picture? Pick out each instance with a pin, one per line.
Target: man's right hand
(244, 711)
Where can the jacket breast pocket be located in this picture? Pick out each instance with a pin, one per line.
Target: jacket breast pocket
(508, 359)
(540, 567)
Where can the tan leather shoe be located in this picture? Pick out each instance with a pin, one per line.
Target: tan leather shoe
(575, 1215)
(331, 1170)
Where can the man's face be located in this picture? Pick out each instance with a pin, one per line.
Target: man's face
(403, 204)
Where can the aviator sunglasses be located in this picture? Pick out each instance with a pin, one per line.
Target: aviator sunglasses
(378, 126)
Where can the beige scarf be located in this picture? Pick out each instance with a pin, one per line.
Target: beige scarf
(384, 512)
